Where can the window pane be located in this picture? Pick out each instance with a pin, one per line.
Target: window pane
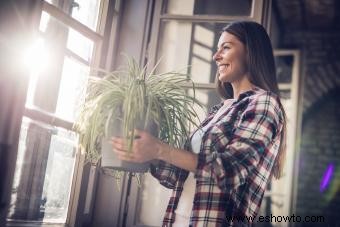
(285, 94)
(59, 34)
(80, 45)
(284, 67)
(208, 97)
(43, 174)
(72, 88)
(85, 11)
(211, 7)
(54, 76)
(195, 47)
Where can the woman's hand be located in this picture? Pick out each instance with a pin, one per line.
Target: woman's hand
(145, 147)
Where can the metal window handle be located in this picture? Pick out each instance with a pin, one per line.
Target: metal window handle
(75, 4)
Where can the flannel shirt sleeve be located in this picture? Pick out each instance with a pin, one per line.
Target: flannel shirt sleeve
(165, 173)
(229, 159)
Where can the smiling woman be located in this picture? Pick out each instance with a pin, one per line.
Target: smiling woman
(227, 162)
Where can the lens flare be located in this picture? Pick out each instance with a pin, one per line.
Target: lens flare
(326, 177)
(36, 58)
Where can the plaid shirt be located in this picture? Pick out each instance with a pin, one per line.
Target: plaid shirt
(236, 157)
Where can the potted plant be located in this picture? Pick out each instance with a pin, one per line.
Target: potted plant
(122, 100)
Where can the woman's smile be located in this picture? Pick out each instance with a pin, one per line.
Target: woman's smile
(222, 67)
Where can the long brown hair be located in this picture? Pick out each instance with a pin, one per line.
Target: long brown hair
(262, 73)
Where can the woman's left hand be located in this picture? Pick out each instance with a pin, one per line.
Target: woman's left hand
(145, 147)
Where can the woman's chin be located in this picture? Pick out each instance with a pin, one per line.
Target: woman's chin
(224, 78)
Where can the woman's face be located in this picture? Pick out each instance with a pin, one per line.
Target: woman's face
(231, 58)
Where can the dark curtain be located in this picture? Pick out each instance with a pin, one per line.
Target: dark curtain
(18, 20)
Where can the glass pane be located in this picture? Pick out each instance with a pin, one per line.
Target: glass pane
(284, 67)
(285, 94)
(60, 34)
(80, 45)
(72, 88)
(43, 174)
(208, 97)
(49, 68)
(85, 11)
(211, 7)
(195, 47)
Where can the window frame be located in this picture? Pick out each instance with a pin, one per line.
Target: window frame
(100, 58)
(58, 14)
(290, 176)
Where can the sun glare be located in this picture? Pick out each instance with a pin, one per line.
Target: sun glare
(36, 58)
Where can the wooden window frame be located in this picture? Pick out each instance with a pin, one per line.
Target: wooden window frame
(45, 117)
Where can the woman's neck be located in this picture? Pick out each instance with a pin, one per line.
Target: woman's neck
(241, 86)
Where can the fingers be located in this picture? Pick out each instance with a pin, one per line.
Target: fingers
(118, 144)
(127, 156)
(142, 149)
(120, 149)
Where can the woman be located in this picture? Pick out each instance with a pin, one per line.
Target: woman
(236, 149)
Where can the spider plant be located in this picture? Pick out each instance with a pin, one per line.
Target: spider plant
(132, 98)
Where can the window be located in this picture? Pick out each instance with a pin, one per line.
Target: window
(69, 42)
(281, 192)
(212, 7)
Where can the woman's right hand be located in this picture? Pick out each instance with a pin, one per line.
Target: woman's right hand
(145, 147)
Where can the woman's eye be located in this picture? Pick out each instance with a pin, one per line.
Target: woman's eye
(226, 48)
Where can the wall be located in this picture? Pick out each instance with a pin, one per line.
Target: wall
(321, 62)
(17, 20)
(320, 141)
(320, 153)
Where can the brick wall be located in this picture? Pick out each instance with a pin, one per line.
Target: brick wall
(320, 148)
(321, 62)
(320, 141)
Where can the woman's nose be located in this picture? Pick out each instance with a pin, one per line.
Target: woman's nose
(216, 56)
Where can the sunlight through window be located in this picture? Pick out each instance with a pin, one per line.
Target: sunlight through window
(72, 89)
(36, 60)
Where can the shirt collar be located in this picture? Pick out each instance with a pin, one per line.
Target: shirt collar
(254, 90)
(243, 95)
